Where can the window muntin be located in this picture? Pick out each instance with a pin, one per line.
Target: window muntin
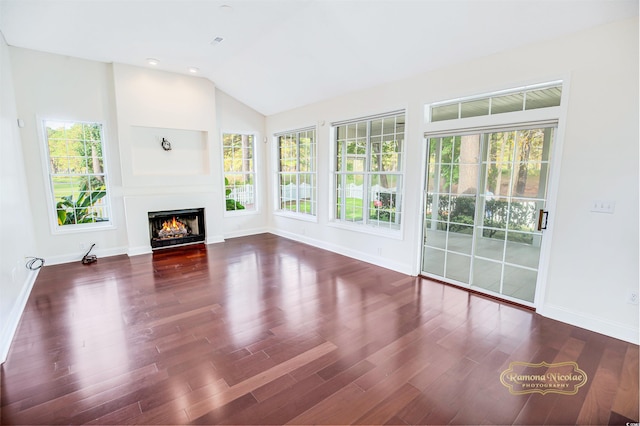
(77, 173)
(297, 172)
(239, 171)
(369, 171)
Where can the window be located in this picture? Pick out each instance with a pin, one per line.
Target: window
(77, 173)
(297, 172)
(239, 171)
(521, 99)
(368, 174)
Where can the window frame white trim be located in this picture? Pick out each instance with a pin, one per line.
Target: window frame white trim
(506, 119)
(366, 227)
(550, 114)
(52, 214)
(489, 96)
(308, 217)
(256, 171)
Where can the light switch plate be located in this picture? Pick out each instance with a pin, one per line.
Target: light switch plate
(603, 206)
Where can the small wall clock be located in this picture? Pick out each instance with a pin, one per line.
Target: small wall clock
(166, 145)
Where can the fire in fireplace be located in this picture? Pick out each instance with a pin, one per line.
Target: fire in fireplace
(172, 229)
(176, 227)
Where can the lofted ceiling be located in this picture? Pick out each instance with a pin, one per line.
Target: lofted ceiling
(277, 55)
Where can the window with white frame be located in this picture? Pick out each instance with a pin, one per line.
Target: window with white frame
(77, 173)
(369, 171)
(239, 171)
(297, 171)
(525, 98)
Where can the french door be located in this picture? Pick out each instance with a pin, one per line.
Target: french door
(484, 212)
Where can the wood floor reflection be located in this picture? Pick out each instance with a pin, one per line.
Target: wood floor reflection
(264, 330)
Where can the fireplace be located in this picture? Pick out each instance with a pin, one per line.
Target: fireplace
(176, 227)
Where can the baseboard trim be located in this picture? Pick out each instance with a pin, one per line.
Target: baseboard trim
(137, 251)
(77, 257)
(9, 330)
(591, 323)
(588, 322)
(245, 232)
(215, 239)
(354, 254)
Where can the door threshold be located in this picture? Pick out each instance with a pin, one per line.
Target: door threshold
(479, 293)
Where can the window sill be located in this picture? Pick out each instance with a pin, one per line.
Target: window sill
(297, 216)
(396, 234)
(238, 213)
(89, 227)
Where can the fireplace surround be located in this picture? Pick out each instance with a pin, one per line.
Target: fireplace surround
(176, 227)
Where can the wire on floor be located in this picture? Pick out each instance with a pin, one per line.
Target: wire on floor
(34, 263)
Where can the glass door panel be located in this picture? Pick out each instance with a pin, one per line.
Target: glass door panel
(519, 283)
(487, 275)
(453, 176)
(484, 195)
(490, 244)
(433, 261)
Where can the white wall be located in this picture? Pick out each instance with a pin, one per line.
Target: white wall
(15, 213)
(51, 86)
(153, 104)
(391, 252)
(138, 106)
(235, 117)
(593, 258)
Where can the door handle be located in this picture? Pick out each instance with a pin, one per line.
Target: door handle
(543, 217)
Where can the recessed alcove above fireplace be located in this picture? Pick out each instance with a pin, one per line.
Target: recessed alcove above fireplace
(176, 227)
(188, 155)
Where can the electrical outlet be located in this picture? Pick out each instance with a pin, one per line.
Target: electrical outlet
(633, 298)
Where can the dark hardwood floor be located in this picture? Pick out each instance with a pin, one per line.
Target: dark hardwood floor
(264, 330)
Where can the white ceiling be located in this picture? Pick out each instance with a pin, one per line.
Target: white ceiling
(281, 54)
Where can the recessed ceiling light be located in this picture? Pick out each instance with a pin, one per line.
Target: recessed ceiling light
(152, 61)
(193, 70)
(217, 40)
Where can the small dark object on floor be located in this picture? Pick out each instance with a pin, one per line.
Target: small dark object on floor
(89, 258)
